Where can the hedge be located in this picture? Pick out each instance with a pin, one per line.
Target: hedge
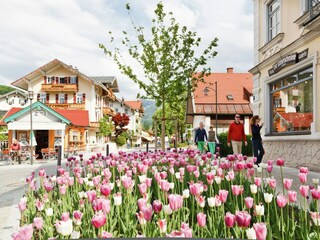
(225, 150)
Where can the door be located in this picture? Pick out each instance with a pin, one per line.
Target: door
(42, 137)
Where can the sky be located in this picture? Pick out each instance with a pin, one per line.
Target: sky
(34, 32)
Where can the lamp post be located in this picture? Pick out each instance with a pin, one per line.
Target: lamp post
(30, 96)
(215, 89)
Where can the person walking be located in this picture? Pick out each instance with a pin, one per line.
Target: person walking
(236, 135)
(258, 150)
(200, 137)
(212, 140)
(15, 150)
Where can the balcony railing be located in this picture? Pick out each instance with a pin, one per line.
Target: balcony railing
(108, 111)
(59, 87)
(94, 124)
(79, 106)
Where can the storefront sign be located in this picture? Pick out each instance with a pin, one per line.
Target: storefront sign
(288, 60)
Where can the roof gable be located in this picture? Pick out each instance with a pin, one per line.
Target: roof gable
(35, 105)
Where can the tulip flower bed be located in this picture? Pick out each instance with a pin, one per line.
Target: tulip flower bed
(167, 194)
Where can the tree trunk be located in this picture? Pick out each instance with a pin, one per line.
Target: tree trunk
(163, 127)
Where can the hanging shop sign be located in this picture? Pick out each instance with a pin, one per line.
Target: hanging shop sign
(288, 60)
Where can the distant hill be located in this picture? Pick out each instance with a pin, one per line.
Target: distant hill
(5, 89)
(149, 110)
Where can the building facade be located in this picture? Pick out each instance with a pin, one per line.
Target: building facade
(216, 101)
(286, 79)
(15, 98)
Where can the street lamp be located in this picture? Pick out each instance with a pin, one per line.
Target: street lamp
(30, 96)
(215, 89)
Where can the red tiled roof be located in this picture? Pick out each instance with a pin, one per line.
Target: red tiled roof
(9, 113)
(239, 85)
(136, 105)
(77, 117)
(223, 108)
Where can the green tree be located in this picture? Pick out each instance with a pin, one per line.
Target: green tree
(105, 126)
(168, 59)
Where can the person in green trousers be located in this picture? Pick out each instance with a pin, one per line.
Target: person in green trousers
(212, 140)
(200, 137)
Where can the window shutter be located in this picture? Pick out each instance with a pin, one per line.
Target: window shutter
(38, 96)
(57, 80)
(74, 98)
(84, 98)
(57, 98)
(66, 98)
(47, 100)
(68, 80)
(45, 79)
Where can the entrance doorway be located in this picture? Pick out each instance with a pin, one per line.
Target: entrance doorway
(42, 141)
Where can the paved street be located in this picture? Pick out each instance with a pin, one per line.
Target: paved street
(12, 183)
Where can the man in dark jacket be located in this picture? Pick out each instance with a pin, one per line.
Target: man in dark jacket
(200, 137)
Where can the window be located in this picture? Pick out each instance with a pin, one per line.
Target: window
(43, 97)
(126, 111)
(79, 98)
(63, 80)
(273, 19)
(61, 98)
(50, 80)
(73, 80)
(292, 103)
(229, 97)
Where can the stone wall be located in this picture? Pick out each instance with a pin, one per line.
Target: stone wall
(295, 153)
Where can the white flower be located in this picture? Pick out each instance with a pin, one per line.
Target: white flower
(89, 175)
(177, 175)
(217, 179)
(54, 178)
(263, 165)
(142, 178)
(315, 180)
(82, 194)
(24, 199)
(64, 227)
(75, 235)
(186, 193)
(259, 210)
(259, 169)
(253, 188)
(268, 197)
(85, 180)
(251, 233)
(201, 163)
(227, 178)
(49, 212)
(167, 210)
(171, 185)
(117, 200)
(211, 201)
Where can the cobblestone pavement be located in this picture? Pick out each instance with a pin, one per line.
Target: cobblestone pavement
(12, 184)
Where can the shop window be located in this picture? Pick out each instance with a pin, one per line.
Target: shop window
(292, 103)
(273, 19)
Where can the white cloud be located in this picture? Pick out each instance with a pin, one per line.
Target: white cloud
(35, 32)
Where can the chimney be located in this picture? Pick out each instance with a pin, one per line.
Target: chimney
(229, 70)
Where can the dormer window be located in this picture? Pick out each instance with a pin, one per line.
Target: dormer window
(230, 97)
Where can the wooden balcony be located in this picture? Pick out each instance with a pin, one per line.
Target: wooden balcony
(94, 124)
(108, 111)
(78, 106)
(68, 88)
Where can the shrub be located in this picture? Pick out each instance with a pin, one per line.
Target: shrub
(225, 150)
(121, 140)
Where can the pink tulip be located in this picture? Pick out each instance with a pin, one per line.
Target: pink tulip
(165, 185)
(42, 172)
(22, 205)
(38, 223)
(163, 175)
(315, 193)
(176, 234)
(315, 216)
(65, 216)
(91, 195)
(106, 234)
(147, 212)
(148, 182)
(231, 175)
(304, 190)
(281, 201)
(96, 180)
(249, 202)
(98, 220)
(48, 186)
(270, 162)
(77, 216)
(261, 230)
(250, 172)
(142, 188)
(272, 183)
(243, 218)
(195, 189)
(292, 196)
(236, 190)
(62, 189)
(25, 233)
(105, 189)
(162, 225)
(302, 177)
(141, 218)
(175, 201)
(257, 181)
(287, 183)
(229, 220)
(201, 219)
(304, 170)
(223, 195)
(157, 206)
(39, 205)
(280, 162)
(269, 168)
(101, 204)
(127, 182)
(210, 177)
(186, 230)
